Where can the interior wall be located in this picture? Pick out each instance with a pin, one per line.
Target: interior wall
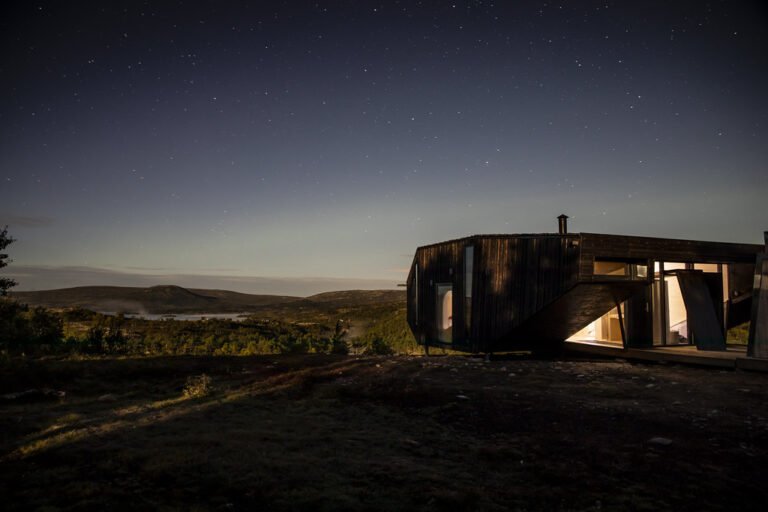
(605, 329)
(677, 319)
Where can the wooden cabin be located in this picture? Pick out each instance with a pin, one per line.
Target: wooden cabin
(492, 293)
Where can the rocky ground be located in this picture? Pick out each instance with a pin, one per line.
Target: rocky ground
(390, 433)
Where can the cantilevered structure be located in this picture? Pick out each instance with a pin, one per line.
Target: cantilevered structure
(491, 293)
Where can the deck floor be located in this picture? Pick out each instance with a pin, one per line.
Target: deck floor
(734, 357)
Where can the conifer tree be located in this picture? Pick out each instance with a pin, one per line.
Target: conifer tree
(5, 240)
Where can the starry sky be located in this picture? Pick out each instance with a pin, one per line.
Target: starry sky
(288, 141)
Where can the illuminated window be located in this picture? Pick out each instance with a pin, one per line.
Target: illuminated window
(611, 268)
(445, 312)
(639, 271)
(620, 269)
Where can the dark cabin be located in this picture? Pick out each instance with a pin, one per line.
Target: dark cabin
(494, 293)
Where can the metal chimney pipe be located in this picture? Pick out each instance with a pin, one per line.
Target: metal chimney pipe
(562, 224)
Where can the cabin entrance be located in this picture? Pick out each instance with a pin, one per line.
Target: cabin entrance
(688, 305)
(444, 311)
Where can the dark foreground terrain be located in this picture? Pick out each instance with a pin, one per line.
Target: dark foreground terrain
(340, 433)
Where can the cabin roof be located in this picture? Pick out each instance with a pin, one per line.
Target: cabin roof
(757, 248)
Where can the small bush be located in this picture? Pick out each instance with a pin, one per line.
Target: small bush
(377, 346)
(25, 329)
(198, 386)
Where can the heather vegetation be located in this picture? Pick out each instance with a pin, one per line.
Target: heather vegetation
(343, 433)
(378, 329)
(356, 322)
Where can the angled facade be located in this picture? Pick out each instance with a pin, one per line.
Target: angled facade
(491, 293)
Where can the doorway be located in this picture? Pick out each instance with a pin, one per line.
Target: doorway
(444, 315)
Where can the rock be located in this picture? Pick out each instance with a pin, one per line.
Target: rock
(31, 395)
(661, 441)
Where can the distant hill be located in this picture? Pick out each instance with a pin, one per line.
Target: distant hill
(359, 297)
(156, 299)
(168, 299)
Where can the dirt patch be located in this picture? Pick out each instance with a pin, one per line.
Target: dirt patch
(345, 433)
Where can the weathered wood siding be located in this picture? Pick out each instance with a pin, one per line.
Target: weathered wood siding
(664, 249)
(410, 297)
(515, 277)
(440, 263)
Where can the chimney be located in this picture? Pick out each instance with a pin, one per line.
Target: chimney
(562, 223)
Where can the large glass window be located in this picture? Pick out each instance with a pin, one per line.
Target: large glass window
(670, 316)
(677, 315)
(605, 329)
(445, 312)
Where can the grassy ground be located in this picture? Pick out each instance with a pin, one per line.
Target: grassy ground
(343, 433)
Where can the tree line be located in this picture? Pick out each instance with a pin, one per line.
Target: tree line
(39, 331)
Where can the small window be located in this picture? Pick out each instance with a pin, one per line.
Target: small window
(611, 268)
(637, 269)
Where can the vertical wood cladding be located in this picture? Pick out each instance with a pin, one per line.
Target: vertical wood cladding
(664, 249)
(410, 295)
(513, 276)
(438, 264)
(517, 276)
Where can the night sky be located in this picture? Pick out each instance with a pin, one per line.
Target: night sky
(187, 141)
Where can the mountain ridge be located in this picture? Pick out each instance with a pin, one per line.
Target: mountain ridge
(173, 299)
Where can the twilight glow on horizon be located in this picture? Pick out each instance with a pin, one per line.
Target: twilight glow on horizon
(242, 146)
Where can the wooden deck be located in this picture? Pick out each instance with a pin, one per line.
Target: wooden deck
(735, 357)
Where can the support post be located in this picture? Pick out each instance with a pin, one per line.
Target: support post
(621, 325)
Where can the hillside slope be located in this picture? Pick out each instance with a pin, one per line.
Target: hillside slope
(156, 299)
(169, 299)
(315, 432)
(359, 297)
